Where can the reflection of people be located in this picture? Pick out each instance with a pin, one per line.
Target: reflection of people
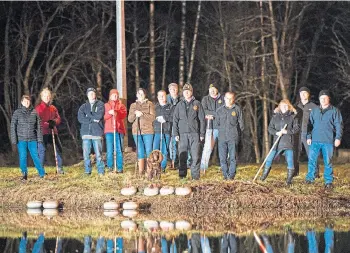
(87, 244)
(268, 245)
(291, 242)
(328, 239)
(312, 242)
(168, 245)
(38, 245)
(194, 243)
(229, 243)
(205, 244)
(100, 245)
(23, 243)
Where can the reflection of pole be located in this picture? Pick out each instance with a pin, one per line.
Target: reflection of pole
(120, 58)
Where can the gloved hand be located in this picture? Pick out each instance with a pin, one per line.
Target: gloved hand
(52, 124)
(160, 119)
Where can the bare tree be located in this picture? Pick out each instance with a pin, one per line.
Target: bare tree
(182, 46)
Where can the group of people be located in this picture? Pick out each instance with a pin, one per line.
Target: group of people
(178, 126)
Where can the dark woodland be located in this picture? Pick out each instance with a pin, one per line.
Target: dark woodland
(263, 51)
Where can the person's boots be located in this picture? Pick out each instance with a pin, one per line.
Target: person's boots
(141, 167)
(265, 174)
(24, 177)
(290, 175)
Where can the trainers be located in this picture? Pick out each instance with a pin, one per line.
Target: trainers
(24, 177)
(328, 186)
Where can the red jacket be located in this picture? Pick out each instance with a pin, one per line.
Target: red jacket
(120, 112)
(47, 112)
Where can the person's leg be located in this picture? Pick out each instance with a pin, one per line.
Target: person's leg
(312, 242)
(22, 153)
(297, 152)
(328, 239)
(233, 243)
(140, 153)
(165, 145)
(98, 153)
(86, 153)
(223, 149)
(195, 154)
(87, 244)
(183, 155)
(307, 150)
(39, 244)
(33, 149)
(327, 153)
(224, 243)
(42, 149)
(156, 141)
(312, 163)
(268, 164)
(290, 165)
(232, 146)
(100, 245)
(119, 148)
(148, 141)
(110, 150)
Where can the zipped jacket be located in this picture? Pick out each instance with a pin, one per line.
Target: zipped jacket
(120, 115)
(91, 118)
(229, 122)
(48, 112)
(167, 112)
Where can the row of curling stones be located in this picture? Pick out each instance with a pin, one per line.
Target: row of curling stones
(34, 207)
(153, 225)
(129, 208)
(154, 190)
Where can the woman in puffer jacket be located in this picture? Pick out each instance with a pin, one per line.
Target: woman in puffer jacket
(283, 125)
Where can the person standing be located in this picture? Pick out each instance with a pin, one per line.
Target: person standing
(229, 122)
(115, 113)
(162, 126)
(173, 98)
(50, 118)
(210, 104)
(324, 132)
(304, 108)
(286, 115)
(142, 115)
(189, 130)
(90, 116)
(26, 134)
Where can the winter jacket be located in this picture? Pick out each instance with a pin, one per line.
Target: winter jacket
(325, 125)
(48, 112)
(120, 115)
(303, 115)
(145, 122)
(189, 118)
(229, 122)
(172, 101)
(277, 123)
(210, 105)
(91, 118)
(167, 112)
(25, 125)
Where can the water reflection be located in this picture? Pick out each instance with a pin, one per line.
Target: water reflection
(194, 242)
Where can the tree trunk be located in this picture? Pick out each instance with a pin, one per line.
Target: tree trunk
(276, 55)
(195, 35)
(152, 69)
(136, 51)
(182, 46)
(166, 48)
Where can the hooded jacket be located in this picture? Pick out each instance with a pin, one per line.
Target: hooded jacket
(48, 112)
(120, 114)
(277, 123)
(145, 123)
(25, 125)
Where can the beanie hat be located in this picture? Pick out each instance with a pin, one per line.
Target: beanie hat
(304, 89)
(324, 92)
(113, 91)
(90, 89)
(213, 86)
(187, 86)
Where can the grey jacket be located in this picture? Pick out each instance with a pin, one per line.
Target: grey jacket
(210, 105)
(229, 122)
(25, 125)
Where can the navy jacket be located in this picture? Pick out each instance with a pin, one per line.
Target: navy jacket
(277, 123)
(229, 122)
(25, 125)
(325, 125)
(87, 117)
(167, 112)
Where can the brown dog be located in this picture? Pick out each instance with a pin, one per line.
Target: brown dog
(153, 165)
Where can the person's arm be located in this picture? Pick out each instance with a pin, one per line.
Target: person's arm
(295, 126)
(310, 124)
(150, 114)
(132, 116)
(107, 116)
(338, 123)
(98, 111)
(240, 119)
(14, 123)
(121, 112)
(272, 128)
(176, 118)
(57, 117)
(83, 118)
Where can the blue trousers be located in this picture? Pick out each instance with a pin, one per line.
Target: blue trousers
(119, 143)
(144, 145)
(165, 146)
(289, 158)
(32, 146)
(227, 147)
(97, 145)
(327, 152)
(42, 149)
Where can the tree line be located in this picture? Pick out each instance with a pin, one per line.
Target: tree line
(264, 51)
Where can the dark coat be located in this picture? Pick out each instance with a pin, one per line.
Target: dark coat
(25, 125)
(229, 122)
(88, 116)
(172, 101)
(325, 125)
(277, 123)
(303, 115)
(210, 106)
(167, 112)
(189, 118)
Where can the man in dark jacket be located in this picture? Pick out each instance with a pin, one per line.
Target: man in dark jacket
(304, 108)
(162, 126)
(229, 121)
(26, 134)
(325, 130)
(90, 116)
(210, 104)
(189, 130)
